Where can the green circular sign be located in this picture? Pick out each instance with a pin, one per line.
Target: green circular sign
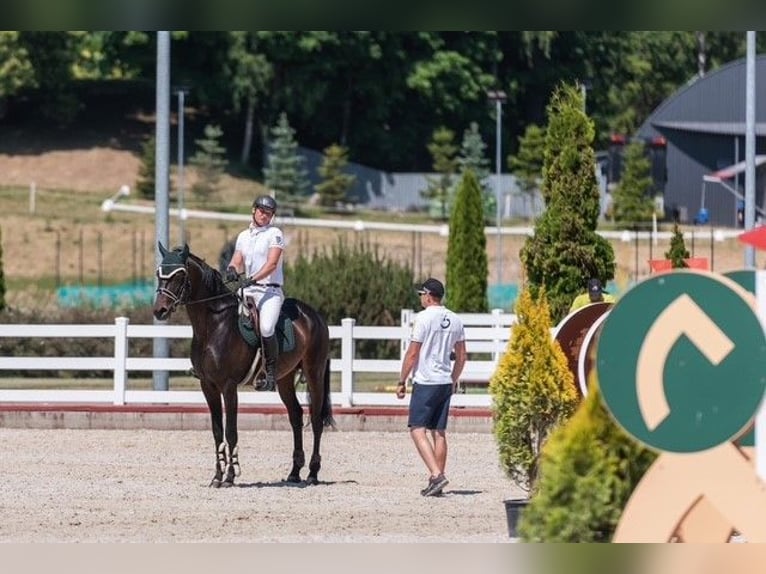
(681, 361)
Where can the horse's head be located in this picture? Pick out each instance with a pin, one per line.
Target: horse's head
(172, 281)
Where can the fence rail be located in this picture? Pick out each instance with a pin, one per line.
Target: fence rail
(486, 334)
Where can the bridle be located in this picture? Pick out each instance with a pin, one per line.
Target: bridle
(166, 271)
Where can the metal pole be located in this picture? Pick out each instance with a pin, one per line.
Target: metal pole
(750, 147)
(498, 127)
(181, 211)
(161, 170)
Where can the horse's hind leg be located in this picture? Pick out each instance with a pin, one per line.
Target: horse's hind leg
(213, 399)
(295, 415)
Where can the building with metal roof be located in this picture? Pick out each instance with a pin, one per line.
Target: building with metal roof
(703, 124)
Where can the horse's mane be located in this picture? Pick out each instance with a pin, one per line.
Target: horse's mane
(211, 278)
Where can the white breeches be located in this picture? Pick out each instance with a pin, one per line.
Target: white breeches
(269, 303)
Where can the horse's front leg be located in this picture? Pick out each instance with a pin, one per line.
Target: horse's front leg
(213, 398)
(232, 468)
(295, 416)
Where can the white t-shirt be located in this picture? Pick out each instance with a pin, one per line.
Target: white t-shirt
(437, 329)
(254, 243)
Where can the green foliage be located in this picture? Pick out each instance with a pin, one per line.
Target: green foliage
(443, 153)
(285, 174)
(335, 184)
(467, 250)
(473, 156)
(527, 164)
(16, 71)
(533, 391)
(2, 273)
(210, 162)
(677, 252)
(146, 182)
(354, 281)
(589, 469)
(632, 197)
(565, 249)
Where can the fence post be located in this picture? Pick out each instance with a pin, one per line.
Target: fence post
(347, 350)
(497, 324)
(120, 358)
(407, 316)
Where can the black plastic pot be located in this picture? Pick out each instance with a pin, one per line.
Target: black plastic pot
(513, 509)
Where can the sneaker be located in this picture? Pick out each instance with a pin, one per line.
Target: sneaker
(435, 485)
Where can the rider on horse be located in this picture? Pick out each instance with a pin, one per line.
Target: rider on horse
(258, 253)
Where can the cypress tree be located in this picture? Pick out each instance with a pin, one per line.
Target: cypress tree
(527, 164)
(146, 183)
(210, 161)
(565, 249)
(533, 390)
(467, 265)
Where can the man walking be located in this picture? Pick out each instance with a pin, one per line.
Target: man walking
(437, 333)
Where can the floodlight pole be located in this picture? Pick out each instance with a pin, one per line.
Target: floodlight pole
(499, 97)
(750, 146)
(181, 92)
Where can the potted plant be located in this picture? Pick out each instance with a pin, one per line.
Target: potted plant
(533, 391)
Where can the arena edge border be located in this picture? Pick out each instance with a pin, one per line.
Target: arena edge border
(195, 417)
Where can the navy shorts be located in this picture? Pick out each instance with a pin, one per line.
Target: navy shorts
(429, 406)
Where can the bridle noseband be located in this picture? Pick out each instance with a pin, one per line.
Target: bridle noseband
(166, 272)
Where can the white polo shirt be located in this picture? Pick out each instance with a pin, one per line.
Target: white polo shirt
(254, 244)
(437, 329)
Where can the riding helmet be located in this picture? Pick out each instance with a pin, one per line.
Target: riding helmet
(265, 202)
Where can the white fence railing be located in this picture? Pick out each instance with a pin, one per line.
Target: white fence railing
(485, 333)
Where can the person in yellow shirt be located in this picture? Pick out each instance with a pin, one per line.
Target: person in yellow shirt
(594, 294)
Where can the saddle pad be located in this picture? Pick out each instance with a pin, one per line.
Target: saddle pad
(285, 332)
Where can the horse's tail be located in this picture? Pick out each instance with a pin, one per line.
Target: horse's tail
(327, 417)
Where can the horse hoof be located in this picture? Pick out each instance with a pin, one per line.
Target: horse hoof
(312, 480)
(215, 483)
(227, 484)
(294, 479)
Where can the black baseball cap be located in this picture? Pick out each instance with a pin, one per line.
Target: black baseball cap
(433, 287)
(594, 286)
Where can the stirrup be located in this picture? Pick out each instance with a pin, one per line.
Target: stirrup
(262, 384)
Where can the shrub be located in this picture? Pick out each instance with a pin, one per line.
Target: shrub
(533, 390)
(677, 252)
(588, 471)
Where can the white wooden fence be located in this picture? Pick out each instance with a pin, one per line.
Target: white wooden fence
(485, 333)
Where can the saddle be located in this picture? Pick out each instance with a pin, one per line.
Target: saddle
(284, 331)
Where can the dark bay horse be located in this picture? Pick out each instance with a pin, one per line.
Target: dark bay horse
(222, 359)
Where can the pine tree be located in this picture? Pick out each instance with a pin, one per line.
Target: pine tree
(527, 165)
(565, 249)
(677, 252)
(146, 183)
(335, 184)
(473, 156)
(210, 162)
(285, 175)
(443, 154)
(632, 200)
(467, 250)
(533, 390)
(2, 274)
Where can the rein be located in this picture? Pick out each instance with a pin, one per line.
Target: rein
(179, 299)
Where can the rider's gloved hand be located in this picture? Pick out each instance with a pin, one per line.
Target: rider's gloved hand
(231, 275)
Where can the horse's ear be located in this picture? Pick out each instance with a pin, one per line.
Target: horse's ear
(185, 252)
(163, 251)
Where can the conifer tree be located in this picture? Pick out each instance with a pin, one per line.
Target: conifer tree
(588, 471)
(210, 162)
(473, 156)
(527, 164)
(146, 183)
(335, 184)
(632, 197)
(565, 249)
(443, 152)
(285, 173)
(467, 267)
(533, 390)
(677, 252)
